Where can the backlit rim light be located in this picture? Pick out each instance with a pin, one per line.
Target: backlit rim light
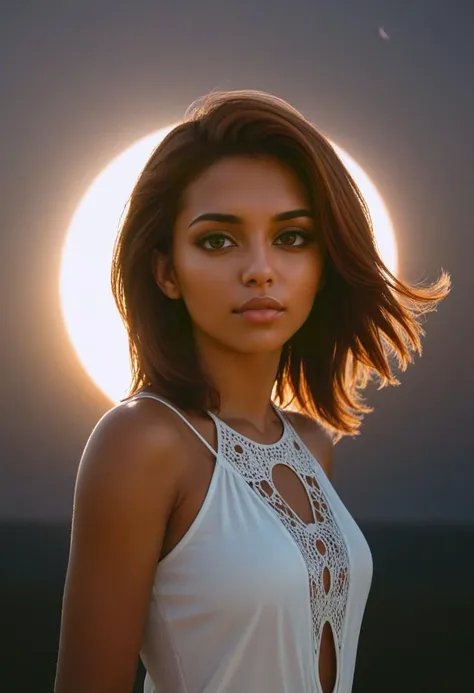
(92, 321)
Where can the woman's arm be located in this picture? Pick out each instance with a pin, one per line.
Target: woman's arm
(126, 487)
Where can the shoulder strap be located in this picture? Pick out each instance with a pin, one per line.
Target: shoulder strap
(150, 395)
(281, 414)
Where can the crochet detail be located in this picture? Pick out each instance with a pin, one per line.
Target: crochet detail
(321, 541)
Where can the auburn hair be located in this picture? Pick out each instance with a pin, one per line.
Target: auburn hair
(363, 316)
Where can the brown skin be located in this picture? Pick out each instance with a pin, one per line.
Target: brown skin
(253, 258)
(144, 475)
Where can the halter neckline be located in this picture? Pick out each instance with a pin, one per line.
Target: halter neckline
(250, 441)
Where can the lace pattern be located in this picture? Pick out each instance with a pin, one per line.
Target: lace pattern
(321, 542)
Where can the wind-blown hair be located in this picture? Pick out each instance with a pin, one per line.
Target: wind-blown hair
(361, 318)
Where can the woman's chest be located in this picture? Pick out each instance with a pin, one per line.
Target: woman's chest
(289, 495)
(234, 550)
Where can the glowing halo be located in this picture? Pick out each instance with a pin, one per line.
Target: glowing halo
(90, 315)
(383, 229)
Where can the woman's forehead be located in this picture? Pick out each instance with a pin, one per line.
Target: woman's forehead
(238, 183)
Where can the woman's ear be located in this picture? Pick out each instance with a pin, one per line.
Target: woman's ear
(164, 275)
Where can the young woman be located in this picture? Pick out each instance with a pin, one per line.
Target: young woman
(207, 536)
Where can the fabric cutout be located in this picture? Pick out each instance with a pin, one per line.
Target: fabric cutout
(321, 542)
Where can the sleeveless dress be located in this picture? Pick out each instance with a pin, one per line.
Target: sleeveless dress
(239, 604)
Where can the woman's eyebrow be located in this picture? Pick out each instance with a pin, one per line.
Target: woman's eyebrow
(233, 219)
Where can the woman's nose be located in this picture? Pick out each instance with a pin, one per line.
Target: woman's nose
(258, 268)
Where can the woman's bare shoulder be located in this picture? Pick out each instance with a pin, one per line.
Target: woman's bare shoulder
(127, 485)
(138, 417)
(141, 423)
(133, 439)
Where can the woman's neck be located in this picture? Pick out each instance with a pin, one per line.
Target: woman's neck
(245, 383)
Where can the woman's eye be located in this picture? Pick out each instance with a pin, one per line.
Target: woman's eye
(292, 238)
(303, 236)
(214, 240)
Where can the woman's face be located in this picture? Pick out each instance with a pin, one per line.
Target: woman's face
(219, 264)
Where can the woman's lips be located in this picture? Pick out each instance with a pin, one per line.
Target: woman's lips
(261, 303)
(261, 316)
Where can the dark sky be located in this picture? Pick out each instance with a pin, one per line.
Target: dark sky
(81, 81)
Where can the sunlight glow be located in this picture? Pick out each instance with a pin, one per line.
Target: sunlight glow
(92, 320)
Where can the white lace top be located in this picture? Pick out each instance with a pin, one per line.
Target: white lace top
(239, 605)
